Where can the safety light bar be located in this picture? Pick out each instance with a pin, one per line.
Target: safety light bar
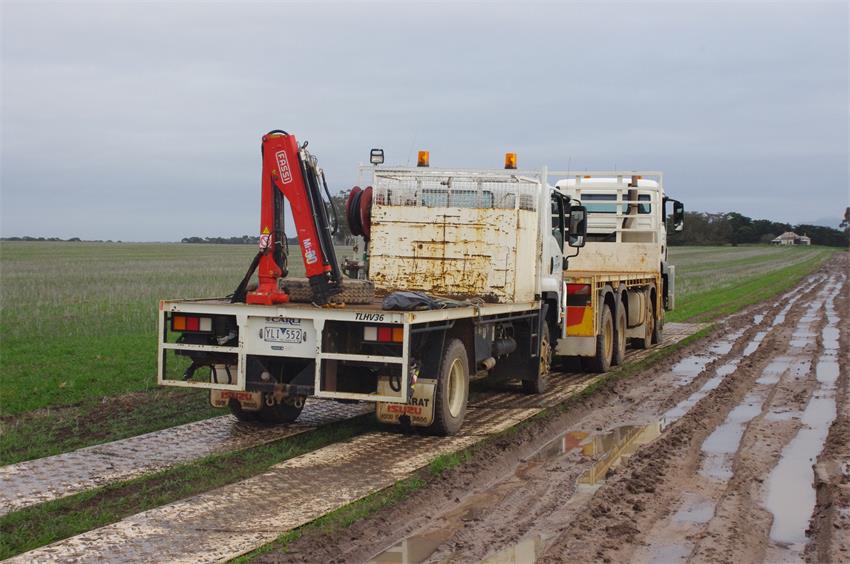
(422, 158)
(191, 323)
(383, 334)
(376, 156)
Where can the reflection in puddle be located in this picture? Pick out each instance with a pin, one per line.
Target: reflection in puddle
(615, 446)
(413, 549)
(526, 550)
(607, 449)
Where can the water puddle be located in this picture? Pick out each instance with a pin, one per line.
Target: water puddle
(694, 509)
(720, 447)
(770, 374)
(790, 486)
(758, 318)
(689, 368)
(668, 553)
(526, 550)
(754, 344)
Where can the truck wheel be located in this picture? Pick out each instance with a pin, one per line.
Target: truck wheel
(658, 332)
(239, 413)
(648, 338)
(619, 337)
(278, 413)
(604, 344)
(452, 390)
(539, 384)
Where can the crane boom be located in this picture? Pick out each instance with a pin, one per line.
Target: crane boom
(292, 172)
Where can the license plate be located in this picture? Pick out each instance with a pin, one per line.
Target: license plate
(283, 335)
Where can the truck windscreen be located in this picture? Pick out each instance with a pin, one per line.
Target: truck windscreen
(606, 203)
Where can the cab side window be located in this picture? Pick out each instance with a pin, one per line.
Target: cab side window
(558, 219)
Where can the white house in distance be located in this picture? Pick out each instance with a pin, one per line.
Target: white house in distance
(791, 238)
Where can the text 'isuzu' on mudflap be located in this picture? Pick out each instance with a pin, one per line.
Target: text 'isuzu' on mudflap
(467, 274)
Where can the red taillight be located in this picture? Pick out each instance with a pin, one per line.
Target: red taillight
(191, 323)
(385, 334)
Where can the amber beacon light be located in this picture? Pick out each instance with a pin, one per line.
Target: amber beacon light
(422, 158)
(510, 160)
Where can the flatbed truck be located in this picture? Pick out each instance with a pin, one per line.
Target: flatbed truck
(487, 251)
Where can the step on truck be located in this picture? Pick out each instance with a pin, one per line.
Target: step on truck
(464, 277)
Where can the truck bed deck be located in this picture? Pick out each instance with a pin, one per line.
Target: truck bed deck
(352, 312)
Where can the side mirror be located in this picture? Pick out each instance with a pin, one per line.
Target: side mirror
(678, 215)
(578, 226)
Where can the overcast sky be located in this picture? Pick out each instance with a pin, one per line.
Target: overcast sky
(142, 121)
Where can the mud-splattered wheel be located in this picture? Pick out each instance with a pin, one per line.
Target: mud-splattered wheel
(601, 362)
(619, 353)
(452, 390)
(658, 331)
(648, 338)
(541, 382)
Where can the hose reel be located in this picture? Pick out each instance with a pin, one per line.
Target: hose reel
(358, 211)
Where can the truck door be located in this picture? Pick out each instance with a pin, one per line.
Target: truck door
(559, 229)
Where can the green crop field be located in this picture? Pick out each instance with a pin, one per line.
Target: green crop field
(77, 325)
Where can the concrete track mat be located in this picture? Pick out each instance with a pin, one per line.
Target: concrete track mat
(44, 479)
(237, 518)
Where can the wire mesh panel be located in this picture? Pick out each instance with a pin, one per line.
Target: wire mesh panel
(456, 189)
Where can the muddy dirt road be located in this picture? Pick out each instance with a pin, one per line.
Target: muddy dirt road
(733, 450)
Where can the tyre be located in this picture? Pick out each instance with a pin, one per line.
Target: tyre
(648, 338)
(273, 413)
(239, 413)
(619, 353)
(539, 384)
(658, 332)
(604, 344)
(452, 390)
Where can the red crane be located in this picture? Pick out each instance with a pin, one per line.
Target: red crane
(290, 171)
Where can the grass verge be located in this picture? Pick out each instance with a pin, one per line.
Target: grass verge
(49, 522)
(721, 301)
(52, 431)
(347, 515)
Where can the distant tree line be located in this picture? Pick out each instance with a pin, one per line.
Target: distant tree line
(736, 229)
(701, 228)
(57, 239)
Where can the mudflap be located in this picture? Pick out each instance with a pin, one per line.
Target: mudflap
(250, 401)
(419, 410)
(222, 374)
